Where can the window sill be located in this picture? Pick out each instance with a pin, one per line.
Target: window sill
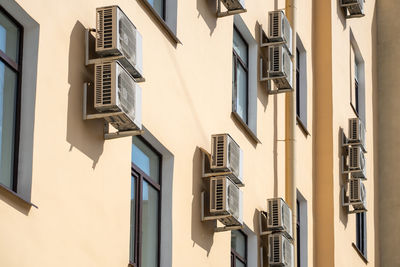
(11, 194)
(246, 127)
(164, 25)
(302, 126)
(364, 258)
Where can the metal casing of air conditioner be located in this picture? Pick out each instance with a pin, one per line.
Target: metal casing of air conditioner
(116, 91)
(356, 162)
(280, 250)
(280, 67)
(226, 199)
(231, 5)
(117, 36)
(354, 7)
(227, 156)
(279, 216)
(356, 133)
(357, 194)
(280, 29)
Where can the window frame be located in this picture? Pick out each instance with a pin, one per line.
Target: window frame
(17, 68)
(235, 255)
(361, 233)
(298, 231)
(140, 177)
(237, 59)
(301, 87)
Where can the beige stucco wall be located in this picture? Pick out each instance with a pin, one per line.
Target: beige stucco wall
(81, 183)
(388, 95)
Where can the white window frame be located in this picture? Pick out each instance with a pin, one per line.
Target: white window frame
(303, 216)
(303, 90)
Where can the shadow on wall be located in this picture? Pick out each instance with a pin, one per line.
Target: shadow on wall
(208, 11)
(341, 13)
(86, 136)
(343, 211)
(202, 232)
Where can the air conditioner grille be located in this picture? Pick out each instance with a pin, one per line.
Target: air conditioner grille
(274, 244)
(104, 29)
(355, 190)
(275, 57)
(234, 157)
(217, 195)
(274, 210)
(233, 199)
(127, 38)
(103, 84)
(126, 94)
(219, 151)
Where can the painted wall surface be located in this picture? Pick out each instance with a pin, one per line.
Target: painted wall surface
(81, 183)
(387, 60)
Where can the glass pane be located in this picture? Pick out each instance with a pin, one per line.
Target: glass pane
(133, 221)
(9, 37)
(241, 101)
(158, 6)
(8, 96)
(145, 158)
(240, 46)
(150, 222)
(238, 243)
(238, 263)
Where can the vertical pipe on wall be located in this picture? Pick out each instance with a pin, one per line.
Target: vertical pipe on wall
(290, 121)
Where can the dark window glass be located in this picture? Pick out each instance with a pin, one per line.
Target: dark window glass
(10, 83)
(298, 233)
(240, 75)
(238, 249)
(145, 205)
(159, 7)
(361, 232)
(298, 99)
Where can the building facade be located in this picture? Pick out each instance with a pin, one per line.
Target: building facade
(70, 197)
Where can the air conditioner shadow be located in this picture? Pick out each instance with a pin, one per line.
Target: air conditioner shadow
(208, 11)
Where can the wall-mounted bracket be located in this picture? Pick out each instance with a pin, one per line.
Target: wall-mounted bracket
(207, 217)
(262, 219)
(221, 13)
(102, 115)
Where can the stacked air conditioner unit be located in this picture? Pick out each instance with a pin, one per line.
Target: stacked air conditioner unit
(232, 5)
(355, 170)
(119, 45)
(280, 67)
(354, 8)
(224, 199)
(279, 223)
(226, 156)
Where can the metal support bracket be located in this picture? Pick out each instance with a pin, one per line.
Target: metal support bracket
(262, 216)
(102, 115)
(221, 14)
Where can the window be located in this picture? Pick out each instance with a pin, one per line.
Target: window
(145, 205)
(357, 84)
(158, 6)
(10, 83)
(301, 84)
(302, 231)
(240, 75)
(244, 78)
(361, 233)
(238, 249)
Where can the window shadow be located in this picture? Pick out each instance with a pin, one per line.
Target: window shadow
(202, 232)
(86, 136)
(208, 11)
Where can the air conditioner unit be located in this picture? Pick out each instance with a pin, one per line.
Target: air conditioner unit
(280, 67)
(117, 36)
(280, 252)
(234, 4)
(227, 156)
(356, 132)
(279, 216)
(116, 91)
(356, 162)
(279, 29)
(357, 194)
(226, 199)
(354, 7)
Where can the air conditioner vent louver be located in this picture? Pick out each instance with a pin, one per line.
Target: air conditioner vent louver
(357, 195)
(280, 67)
(356, 132)
(280, 29)
(116, 91)
(357, 162)
(226, 156)
(117, 36)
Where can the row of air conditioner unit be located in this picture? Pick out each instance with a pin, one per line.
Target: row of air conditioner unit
(354, 163)
(276, 224)
(223, 175)
(353, 8)
(278, 41)
(118, 67)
